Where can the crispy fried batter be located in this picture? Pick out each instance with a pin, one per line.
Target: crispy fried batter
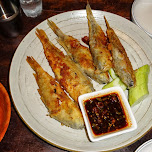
(97, 42)
(59, 105)
(67, 73)
(121, 62)
(79, 54)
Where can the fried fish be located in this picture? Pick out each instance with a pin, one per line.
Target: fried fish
(67, 73)
(97, 42)
(121, 63)
(79, 54)
(59, 105)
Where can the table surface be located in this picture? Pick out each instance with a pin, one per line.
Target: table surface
(18, 136)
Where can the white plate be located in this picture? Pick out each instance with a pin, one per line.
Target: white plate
(141, 15)
(83, 99)
(24, 88)
(145, 147)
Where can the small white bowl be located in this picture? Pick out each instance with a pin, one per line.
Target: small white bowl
(131, 122)
(141, 15)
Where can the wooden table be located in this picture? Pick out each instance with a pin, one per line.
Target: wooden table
(18, 137)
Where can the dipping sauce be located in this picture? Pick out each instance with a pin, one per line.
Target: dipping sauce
(106, 114)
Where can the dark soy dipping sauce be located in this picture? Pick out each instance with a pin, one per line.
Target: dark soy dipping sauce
(105, 114)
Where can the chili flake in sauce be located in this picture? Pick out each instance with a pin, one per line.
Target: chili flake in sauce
(106, 114)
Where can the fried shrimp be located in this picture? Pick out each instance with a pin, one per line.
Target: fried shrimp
(97, 42)
(67, 73)
(121, 63)
(59, 105)
(79, 54)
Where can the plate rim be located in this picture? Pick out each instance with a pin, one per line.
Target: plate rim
(134, 19)
(143, 145)
(8, 103)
